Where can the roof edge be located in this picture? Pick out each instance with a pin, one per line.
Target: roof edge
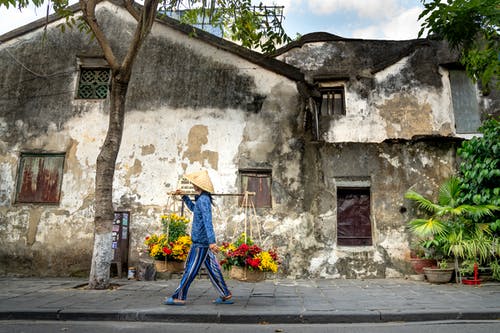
(315, 37)
(265, 61)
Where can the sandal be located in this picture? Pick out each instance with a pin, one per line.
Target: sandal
(224, 300)
(172, 301)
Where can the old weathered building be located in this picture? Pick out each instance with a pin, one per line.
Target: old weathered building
(329, 132)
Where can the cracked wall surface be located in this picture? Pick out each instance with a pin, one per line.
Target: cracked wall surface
(192, 105)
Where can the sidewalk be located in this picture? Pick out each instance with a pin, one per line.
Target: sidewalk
(271, 301)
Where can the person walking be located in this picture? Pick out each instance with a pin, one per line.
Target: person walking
(204, 247)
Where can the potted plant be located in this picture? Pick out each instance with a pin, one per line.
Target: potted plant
(440, 274)
(450, 228)
(170, 248)
(247, 261)
(420, 256)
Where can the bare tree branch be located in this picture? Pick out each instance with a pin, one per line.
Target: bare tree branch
(142, 30)
(129, 4)
(88, 11)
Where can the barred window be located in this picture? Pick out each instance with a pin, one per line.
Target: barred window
(332, 101)
(94, 83)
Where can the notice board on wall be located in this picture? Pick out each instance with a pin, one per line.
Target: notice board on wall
(121, 227)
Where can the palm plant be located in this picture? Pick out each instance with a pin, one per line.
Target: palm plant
(452, 229)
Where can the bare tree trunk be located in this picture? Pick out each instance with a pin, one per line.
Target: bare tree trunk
(105, 166)
(105, 170)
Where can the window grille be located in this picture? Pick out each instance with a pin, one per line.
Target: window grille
(94, 83)
(332, 101)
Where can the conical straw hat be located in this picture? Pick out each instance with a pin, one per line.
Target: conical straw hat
(201, 179)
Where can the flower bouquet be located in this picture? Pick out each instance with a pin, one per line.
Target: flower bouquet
(170, 248)
(247, 261)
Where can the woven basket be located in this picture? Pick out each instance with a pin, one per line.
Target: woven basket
(169, 266)
(244, 274)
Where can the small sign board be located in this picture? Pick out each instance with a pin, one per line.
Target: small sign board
(185, 186)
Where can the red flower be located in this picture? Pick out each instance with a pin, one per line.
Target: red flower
(273, 255)
(243, 247)
(253, 250)
(254, 263)
(147, 238)
(167, 251)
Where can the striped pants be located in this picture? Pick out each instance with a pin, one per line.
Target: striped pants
(198, 255)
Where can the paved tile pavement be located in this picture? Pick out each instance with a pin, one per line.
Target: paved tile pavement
(270, 301)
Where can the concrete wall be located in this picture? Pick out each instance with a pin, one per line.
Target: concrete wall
(192, 105)
(398, 133)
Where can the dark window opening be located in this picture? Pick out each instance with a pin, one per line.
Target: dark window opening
(353, 217)
(40, 178)
(258, 182)
(94, 83)
(332, 101)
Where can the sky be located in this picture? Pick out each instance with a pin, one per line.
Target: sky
(366, 19)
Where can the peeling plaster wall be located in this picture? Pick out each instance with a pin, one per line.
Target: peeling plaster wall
(397, 134)
(390, 169)
(394, 89)
(190, 106)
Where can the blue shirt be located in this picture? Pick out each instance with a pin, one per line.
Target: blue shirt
(202, 230)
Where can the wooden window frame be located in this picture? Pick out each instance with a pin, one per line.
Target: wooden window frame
(258, 200)
(332, 108)
(47, 187)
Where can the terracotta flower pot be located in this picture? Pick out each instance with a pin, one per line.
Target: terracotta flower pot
(438, 275)
(418, 264)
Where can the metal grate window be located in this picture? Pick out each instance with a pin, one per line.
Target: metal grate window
(94, 83)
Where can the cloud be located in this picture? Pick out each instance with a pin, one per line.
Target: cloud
(366, 9)
(403, 26)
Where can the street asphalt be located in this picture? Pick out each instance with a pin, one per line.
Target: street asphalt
(279, 301)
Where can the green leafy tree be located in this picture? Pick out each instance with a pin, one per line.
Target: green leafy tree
(247, 25)
(480, 169)
(470, 26)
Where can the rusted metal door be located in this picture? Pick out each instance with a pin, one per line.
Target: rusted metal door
(353, 217)
(260, 184)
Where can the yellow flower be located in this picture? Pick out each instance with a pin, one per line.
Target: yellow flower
(266, 262)
(184, 240)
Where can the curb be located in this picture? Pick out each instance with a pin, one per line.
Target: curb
(249, 318)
